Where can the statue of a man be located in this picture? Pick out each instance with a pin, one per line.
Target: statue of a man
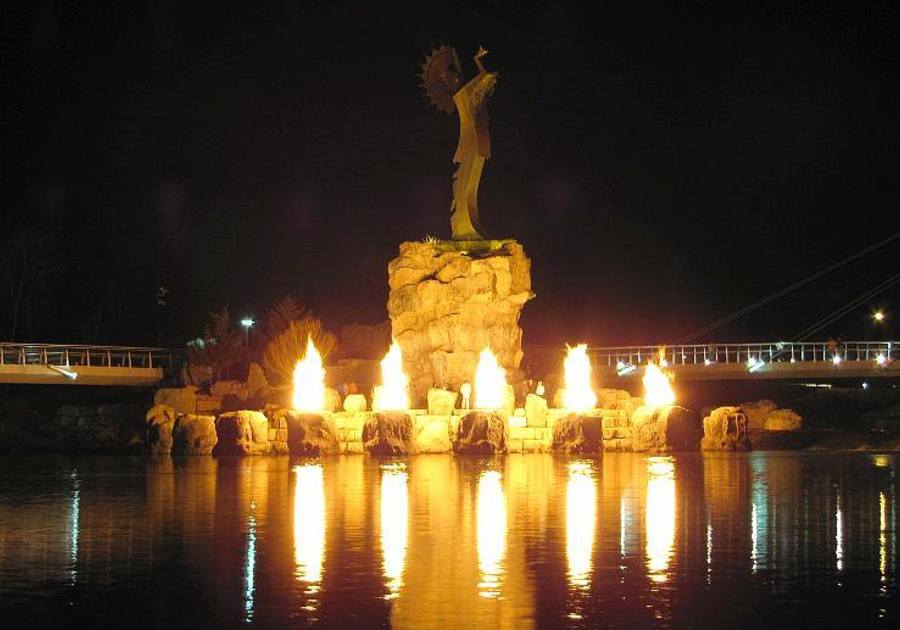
(442, 80)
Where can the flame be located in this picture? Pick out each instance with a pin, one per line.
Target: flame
(578, 395)
(394, 391)
(490, 382)
(657, 388)
(309, 381)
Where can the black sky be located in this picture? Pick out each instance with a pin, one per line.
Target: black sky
(663, 164)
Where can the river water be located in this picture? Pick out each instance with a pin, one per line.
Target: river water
(625, 540)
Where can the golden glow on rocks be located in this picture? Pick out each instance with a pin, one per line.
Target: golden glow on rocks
(309, 381)
(578, 395)
(490, 382)
(394, 391)
(657, 387)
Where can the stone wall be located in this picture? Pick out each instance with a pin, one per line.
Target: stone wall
(447, 305)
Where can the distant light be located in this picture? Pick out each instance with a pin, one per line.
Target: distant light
(625, 369)
(881, 359)
(247, 322)
(707, 362)
(663, 363)
(865, 385)
(69, 374)
(878, 316)
(836, 359)
(793, 360)
(620, 365)
(754, 364)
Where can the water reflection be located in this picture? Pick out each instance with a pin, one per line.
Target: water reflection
(73, 536)
(838, 533)
(759, 514)
(581, 514)
(309, 527)
(491, 532)
(882, 538)
(250, 565)
(660, 516)
(394, 524)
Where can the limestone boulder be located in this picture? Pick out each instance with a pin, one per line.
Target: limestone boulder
(160, 421)
(536, 410)
(332, 400)
(783, 420)
(242, 433)
(481, 433)
(354, 403)
(257, 384)
(757, 412)
(441, 402)
(447, 304)
(312, 434)
(181, 399)
(725, 429)
(278, 430)
(194, 435)
(432, 434)
(666, 428)
(388, 433)
(577, 433)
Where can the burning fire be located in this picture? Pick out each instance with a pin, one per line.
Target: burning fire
(657, 388)
(578, 395)
(309, 381)
(490, 382)
(393, 393)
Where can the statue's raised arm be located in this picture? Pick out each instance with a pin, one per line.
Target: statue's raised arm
(442, 81)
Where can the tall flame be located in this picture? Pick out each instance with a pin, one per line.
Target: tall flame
(657, 388)
(578, 395)
(309, 381)
(490, 382)
(394, 391)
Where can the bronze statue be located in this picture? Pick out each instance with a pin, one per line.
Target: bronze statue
(443, 84)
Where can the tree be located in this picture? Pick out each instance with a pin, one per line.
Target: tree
(281, 314)
(29, 262)
(285, 349)
(221, 346)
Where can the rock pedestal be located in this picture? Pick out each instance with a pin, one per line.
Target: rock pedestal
(312, 434)
(447, 304)
(388, 433)
(725, 429)
(481, 433)
(194, 435)
(242, 433)
(160, 421)
(665, 429)
(577, 433)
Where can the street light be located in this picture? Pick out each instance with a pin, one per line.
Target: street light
(247, 322)
(878, 316)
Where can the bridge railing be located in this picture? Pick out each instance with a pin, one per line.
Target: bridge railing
(83, 355)
(747, 353)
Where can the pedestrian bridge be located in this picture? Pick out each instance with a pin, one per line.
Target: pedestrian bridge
(752, 361)
(45, 364)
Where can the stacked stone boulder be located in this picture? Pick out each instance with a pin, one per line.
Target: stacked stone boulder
(194, 435)
(725, 429)
(160, 422)
(278, 430)
(446, 305)
(766, 415)
(242, 433)
(666, 428)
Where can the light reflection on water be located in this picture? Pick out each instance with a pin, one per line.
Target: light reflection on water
(660, 516)
(491, 533)
(515, 542)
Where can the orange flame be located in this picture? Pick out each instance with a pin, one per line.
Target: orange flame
(490, 382)
(578, 395)
(657, 387)
(394, 391)
(309, 381)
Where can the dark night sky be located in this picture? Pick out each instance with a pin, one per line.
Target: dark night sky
(663, 164)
